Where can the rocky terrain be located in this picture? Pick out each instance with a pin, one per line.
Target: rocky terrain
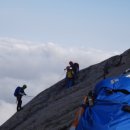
(54, 108)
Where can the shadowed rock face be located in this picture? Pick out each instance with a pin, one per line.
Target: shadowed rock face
(54, 108)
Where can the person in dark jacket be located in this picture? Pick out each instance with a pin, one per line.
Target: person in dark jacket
(75, 68)
(19, 92)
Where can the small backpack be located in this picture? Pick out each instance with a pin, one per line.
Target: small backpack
(16, 92)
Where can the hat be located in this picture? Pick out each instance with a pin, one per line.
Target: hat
(24, 86)
(70, 62)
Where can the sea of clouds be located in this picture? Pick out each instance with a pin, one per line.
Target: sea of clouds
(39, 65)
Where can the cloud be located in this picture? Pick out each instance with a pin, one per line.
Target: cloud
(6, 110)
(39, 65)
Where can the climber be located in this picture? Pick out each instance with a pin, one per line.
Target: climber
(75, 68)
(19, 92)
(69, 77)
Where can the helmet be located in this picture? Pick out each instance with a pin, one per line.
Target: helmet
(24, 86)
(70, 62)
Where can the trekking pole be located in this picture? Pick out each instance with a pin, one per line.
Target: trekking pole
(28, 96)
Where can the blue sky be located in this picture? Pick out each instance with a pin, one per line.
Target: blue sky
(101, 24)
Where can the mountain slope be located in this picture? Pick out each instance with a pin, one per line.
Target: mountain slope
(54, 108)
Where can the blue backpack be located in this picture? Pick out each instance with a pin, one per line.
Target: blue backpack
(16, 92)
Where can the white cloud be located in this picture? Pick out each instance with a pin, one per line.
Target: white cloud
(6, 110)
(38, 65)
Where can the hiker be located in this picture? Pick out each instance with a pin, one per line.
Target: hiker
(19, 92)
(75, 68)
(69, 77)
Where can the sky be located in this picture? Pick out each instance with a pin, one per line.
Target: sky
(39, 37)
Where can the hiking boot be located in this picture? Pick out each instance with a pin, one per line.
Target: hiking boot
(19, 109)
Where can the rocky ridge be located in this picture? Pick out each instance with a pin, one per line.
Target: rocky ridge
(54, 108)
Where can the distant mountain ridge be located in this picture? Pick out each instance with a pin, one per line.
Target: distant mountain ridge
(54, 108)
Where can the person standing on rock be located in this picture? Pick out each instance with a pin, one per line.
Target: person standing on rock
(19, 92)
(75, 68)
(69, 77)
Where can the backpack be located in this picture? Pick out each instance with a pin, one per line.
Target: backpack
(16, 92)
(76, 67)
